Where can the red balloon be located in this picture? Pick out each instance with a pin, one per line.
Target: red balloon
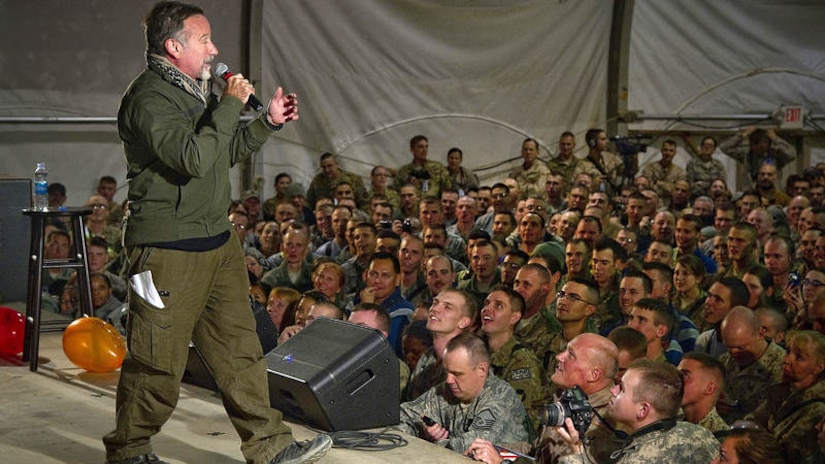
(12, 331)
(94, 345)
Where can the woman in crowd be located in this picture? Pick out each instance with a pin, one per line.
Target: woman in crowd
(750, 446)
(281, 302)
(329, 279)
(793, 408)
(255, 261)
(800, 297)
(760, 286)
(687, 282)
(270, 239)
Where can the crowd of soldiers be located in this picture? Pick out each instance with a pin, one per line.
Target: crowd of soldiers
(690, 316)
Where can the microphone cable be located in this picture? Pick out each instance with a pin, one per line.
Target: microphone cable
(367, 441)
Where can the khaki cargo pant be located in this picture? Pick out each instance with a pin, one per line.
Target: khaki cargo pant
(205, 299)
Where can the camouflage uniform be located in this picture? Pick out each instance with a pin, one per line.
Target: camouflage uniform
(695, 311)
(739, 147)
(792, 424)
(403, 376)
(464, 179)
(565, 168)
(456, 248)
(663, 180)
(439, 178)
(683, 443)
(324, 187)
(612, 167)
(496, 414)
(714, 422)
(537, 332)
(517, 365)
(393, 198)
(427, 374)
(601, 440)
(532, 180)
(472, 287)
(748, 384)
(279, 277)
(701, 174)
(608, 314)
(354, 272)
(419, 286)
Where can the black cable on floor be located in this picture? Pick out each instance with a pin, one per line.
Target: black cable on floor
(367, 441)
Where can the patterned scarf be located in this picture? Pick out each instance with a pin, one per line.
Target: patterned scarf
(173, 75)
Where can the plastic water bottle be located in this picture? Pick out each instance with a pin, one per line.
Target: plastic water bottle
(41, 187)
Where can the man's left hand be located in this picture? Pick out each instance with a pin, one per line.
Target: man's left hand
(435, 432)
(282, 108)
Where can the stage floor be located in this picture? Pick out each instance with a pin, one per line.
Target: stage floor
(59, 414)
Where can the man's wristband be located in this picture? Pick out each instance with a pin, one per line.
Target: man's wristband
(269, 124)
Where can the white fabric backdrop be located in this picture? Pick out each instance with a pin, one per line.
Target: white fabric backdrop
(478, 75)
(731, 57)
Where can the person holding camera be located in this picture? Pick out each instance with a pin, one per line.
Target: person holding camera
(646, 402)
(586, 370)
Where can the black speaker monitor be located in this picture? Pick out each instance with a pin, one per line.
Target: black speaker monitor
(336, 376)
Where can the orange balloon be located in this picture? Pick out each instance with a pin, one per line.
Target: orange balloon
(94, 345)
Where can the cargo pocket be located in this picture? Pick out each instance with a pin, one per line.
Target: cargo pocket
(150, 334)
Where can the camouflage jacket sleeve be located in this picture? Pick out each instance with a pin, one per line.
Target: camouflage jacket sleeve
(683, 444)
(362, 197)
(793, 421)
(736, 146)
(523, 371)
(497, 415)
(783, 152)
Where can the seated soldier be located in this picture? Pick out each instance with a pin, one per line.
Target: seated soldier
(704, 379)
(470, 404)
(453, 311)
(512, 361)
(646, 402)
(794, 407)
(589, 362)
(654, 319)
(752, 364)
(97, 258)
(295, 270)
(382, 280)
(105, 305)
(632, 345)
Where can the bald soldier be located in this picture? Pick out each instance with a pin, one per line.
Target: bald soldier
(752, 363)
(590, 361)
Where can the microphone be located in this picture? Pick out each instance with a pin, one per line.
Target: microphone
(222, 70)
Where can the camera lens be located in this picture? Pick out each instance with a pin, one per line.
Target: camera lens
(553, 414)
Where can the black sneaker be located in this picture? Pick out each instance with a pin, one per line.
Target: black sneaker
(143, 458)
(304, 451)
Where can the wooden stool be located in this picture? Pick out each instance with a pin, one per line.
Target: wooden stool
(37, 264)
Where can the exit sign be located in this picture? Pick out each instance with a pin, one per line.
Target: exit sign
(793, 117)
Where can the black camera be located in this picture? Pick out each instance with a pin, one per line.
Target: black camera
(420, 174)
(574, 404)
